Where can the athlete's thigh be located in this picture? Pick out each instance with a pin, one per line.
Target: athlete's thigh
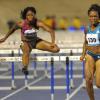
(97, 73)
(89, 67)
(45, 45)
(25, 47)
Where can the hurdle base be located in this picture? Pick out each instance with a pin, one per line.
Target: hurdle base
(95, 87)
(27, 88)
(67, 96)
(35, 74)
(63, 76)
(52, 96)
(5, 88)
(13, 88)
(84, 83)
(46, 87)
(72, 86)
(46, 73)
(17, 77)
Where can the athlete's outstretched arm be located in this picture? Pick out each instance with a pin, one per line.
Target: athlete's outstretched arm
(11, 31)
(48, 29)
(84, 48)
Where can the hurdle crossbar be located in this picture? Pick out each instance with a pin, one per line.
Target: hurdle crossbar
(16, 77)
(64, 76)
(34, 51)
(6, 88)
(40, 58)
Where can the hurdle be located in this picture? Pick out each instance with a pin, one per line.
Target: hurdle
(52, 59)
(35, 51)
(71, 75)
(12, 53)
(19, 52)
(67, 87)
(11, 60)
(18, 59)
(44, 58)
(34, 66)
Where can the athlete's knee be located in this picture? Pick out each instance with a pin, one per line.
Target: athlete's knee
(89, 79)
(89, 82)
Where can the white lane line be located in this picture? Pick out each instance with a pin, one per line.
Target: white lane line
(9, 72)
(75, 91)
(3, 69)
(22, 88)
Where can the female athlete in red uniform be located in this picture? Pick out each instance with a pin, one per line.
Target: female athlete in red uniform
(29, 27)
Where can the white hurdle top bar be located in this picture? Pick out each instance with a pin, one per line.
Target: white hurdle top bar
(16, 51)
(40, 58)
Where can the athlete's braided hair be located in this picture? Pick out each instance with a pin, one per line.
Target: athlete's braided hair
(94, 7)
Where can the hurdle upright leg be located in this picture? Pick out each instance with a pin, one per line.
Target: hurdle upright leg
(71, 75)
(13, 79)
(35, 65)
(26, 81)
(52, 79)
(46, 70)
(67, 79)
(83, 74)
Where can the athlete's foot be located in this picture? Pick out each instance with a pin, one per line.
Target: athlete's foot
(25, 71)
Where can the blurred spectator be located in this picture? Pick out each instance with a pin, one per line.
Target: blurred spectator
(54, 24)
(48, 21)
(63, 23)
(76, 23)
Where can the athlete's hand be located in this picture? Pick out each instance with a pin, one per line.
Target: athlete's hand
(82, 58)
(2, 40)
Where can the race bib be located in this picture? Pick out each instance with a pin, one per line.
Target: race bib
(92, 39)
(28, 32)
